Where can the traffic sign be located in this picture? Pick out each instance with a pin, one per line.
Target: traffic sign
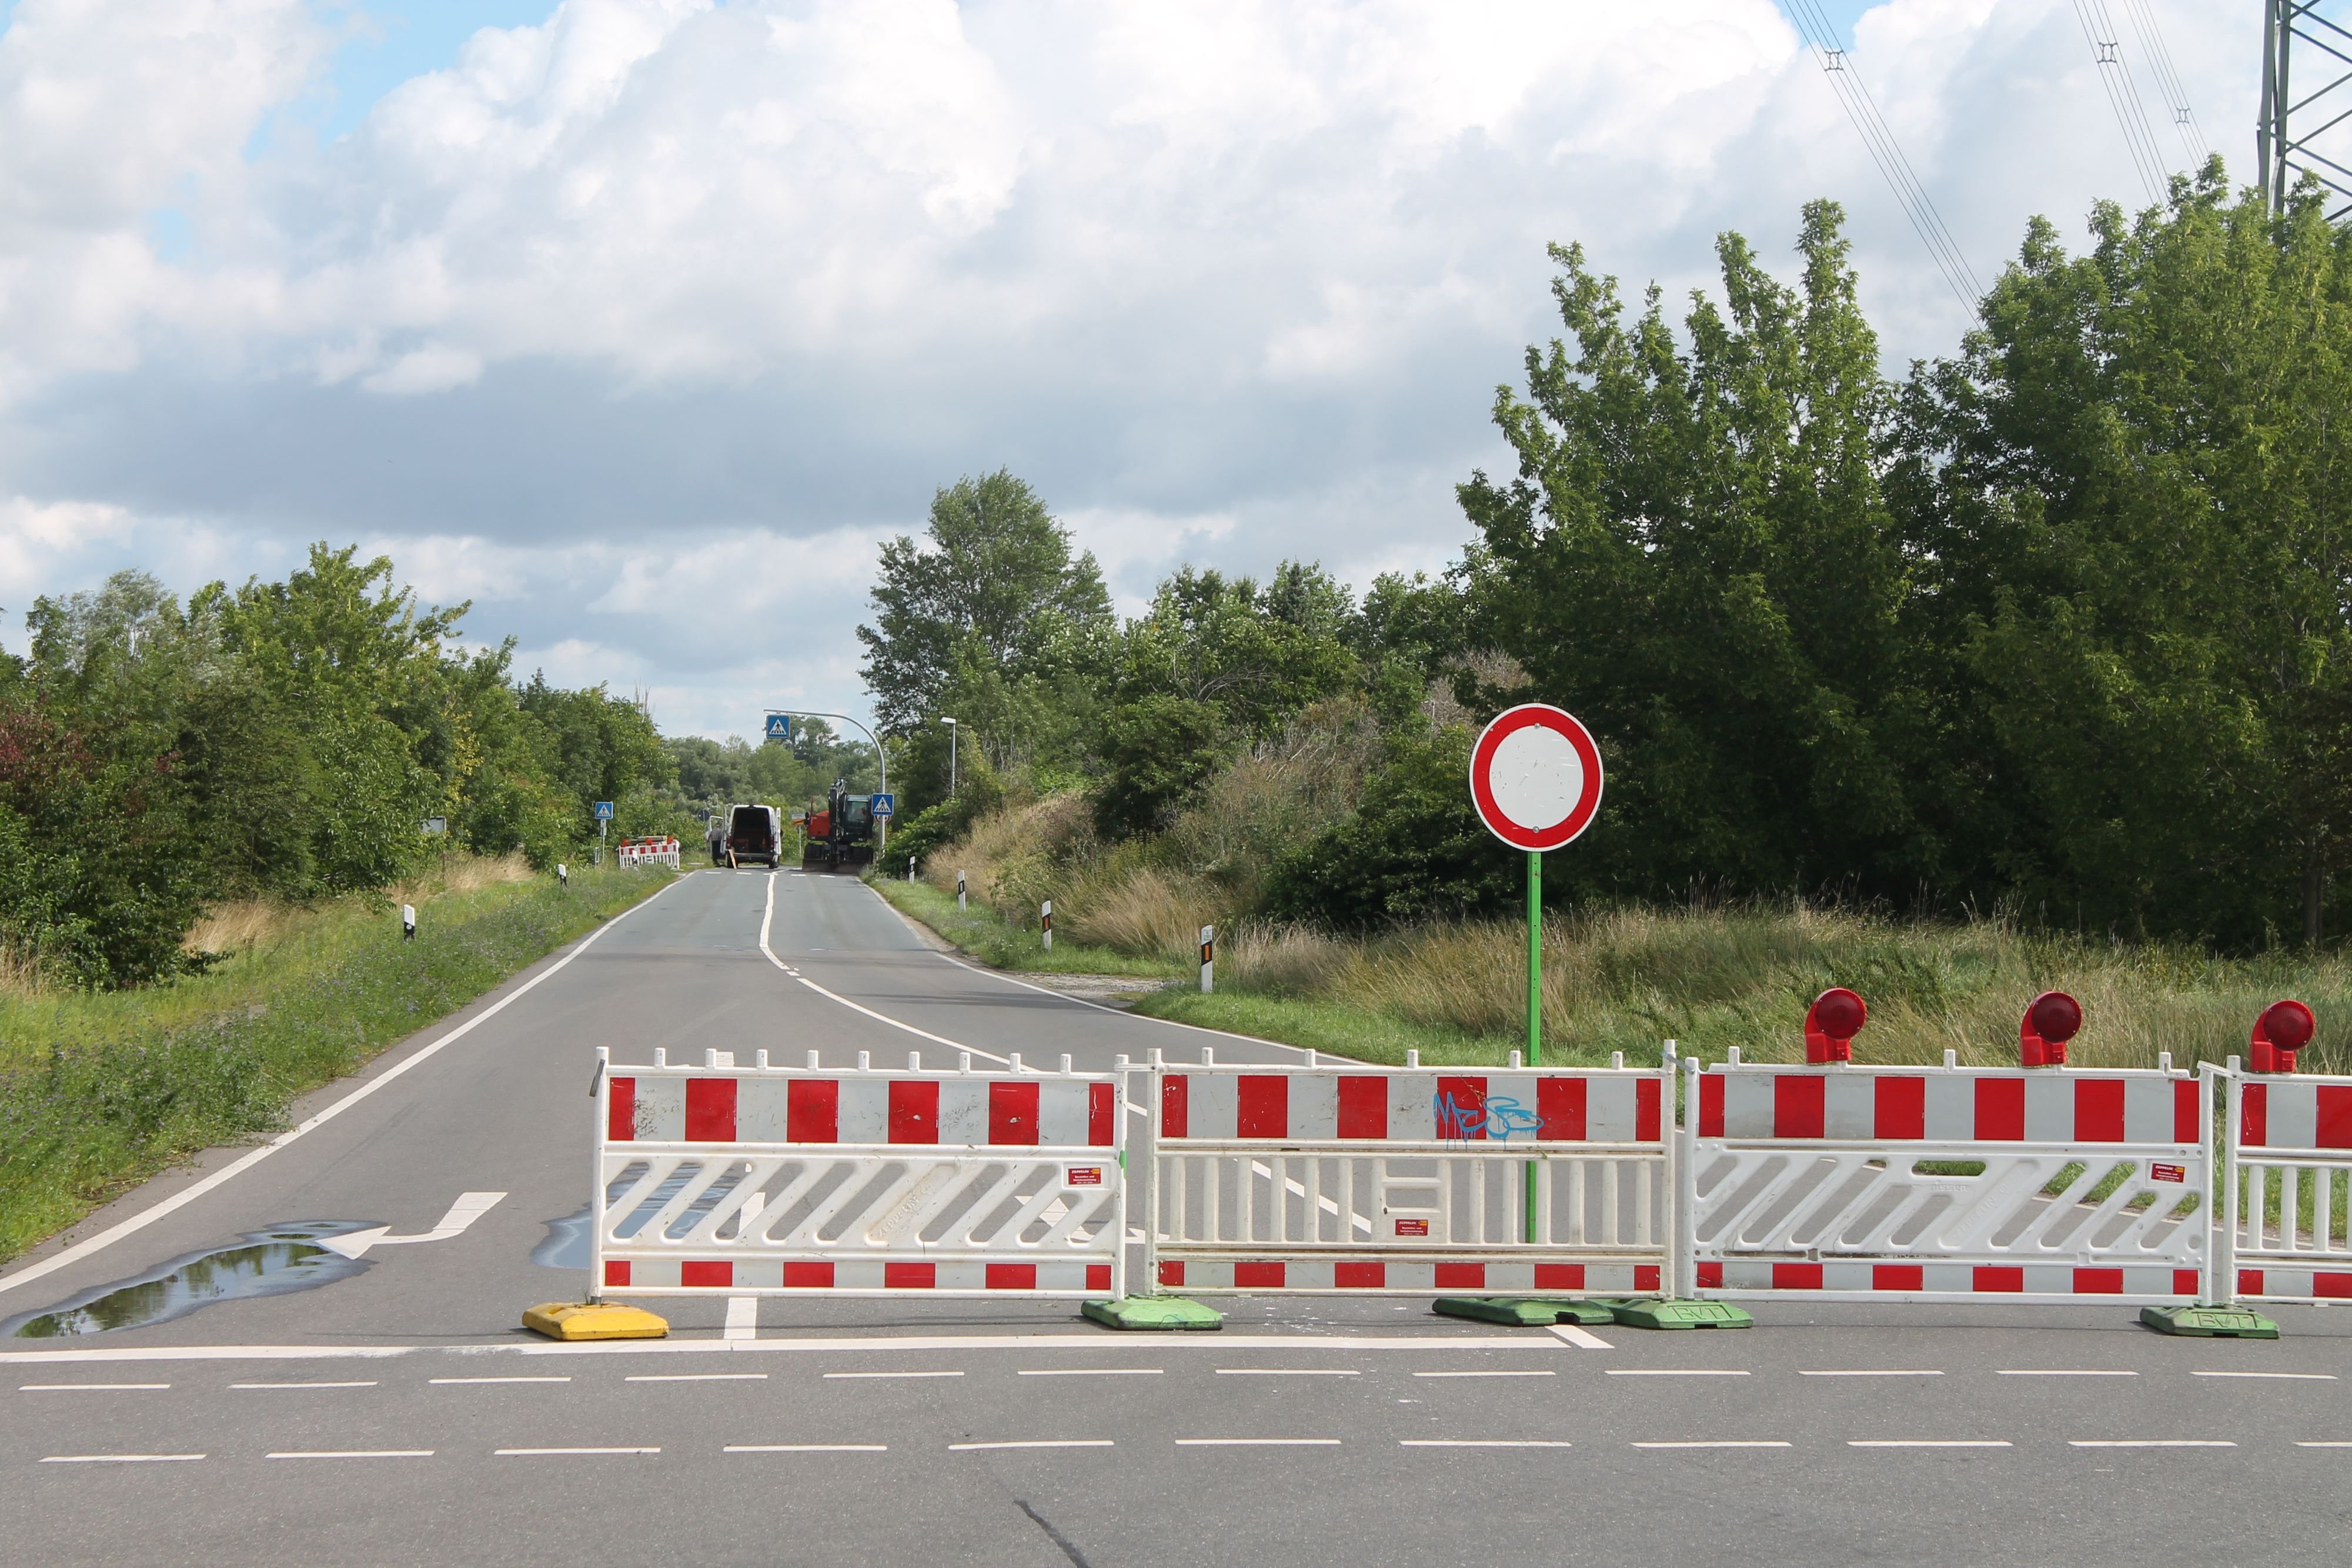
(603, 811)
(1534, 777)
(885, 805)
(780, 727)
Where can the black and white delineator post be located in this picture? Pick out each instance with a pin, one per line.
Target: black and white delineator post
(563, 874)
(959, 904)
(1208, 959)
(1045, 924)
(408, 923)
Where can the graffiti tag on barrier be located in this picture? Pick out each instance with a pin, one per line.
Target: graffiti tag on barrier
(1496, 1118)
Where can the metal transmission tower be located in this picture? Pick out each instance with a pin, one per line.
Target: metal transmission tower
(2294, 34)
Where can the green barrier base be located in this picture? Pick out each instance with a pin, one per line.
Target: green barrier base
(1660, 1312)
(2208, 1323)
(1159, 1313)
(1530, 1314)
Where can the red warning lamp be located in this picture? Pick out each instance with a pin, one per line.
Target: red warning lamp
(2052, 1019)
(2284, 1028)
(1837, 1016)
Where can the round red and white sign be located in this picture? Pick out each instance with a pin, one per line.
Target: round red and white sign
(1534, 777)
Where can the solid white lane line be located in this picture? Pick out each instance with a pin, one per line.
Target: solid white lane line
(1544, 1374)
(368, 1385)
(194, 1190)
(696, 1377)
(1065, 996)
(467, 1380)
(2288, 1376)
(1859, 1372)
(1674, 1372)
(1091, 1372)
(1480, 1443)
(353, 1454)
(539, 1453)
(1257, 1442)
(1288, 1372)
(2062, 1372)
(87, 1388)
(894, 1375)
(1927, 1443)
(807, 1449)
(2325, 1444)
(2147, 1443)
(1034, 1443)
(117, 1458)
(768, 916)
(1714, 1444)
(1581, 1338)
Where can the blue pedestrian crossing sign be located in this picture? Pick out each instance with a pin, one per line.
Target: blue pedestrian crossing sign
(780, 727)
(885, 805)
(603, 811)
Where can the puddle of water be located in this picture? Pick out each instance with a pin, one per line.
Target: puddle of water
(566, 1246)
(274, 1261)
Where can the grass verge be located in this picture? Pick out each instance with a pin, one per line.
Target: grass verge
(982, 932)
(125, 1084)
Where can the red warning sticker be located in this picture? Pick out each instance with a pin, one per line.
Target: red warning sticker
(1085, 1175)
(2167, 1173)
(1412, 1228)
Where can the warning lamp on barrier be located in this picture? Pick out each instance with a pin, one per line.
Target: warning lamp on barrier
(1837, 1016)
(2284, 1028)
(2052, 1019)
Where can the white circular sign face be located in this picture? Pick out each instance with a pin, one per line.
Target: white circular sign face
(1537, 776)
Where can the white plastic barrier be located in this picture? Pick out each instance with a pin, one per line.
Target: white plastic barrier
(2290, 1144)
(790, 1181)
(660, 853)
(1343, 1179)
(1842, 1182)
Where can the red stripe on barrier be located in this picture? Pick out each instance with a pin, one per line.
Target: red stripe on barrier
(710, 1110)
(621, 1111)
(1559, 1109)
(2000, 1109)
(1796, 1276)
(1268, 1276)
(720, 1274)
(910, 1276)
(2185, 1283)
(1646, 1276)
(2184, 1112)
(1645, 1110)
(1013, 1276)
(2254, 1116)
(1710, 1105)
(1261, 1107)
(2334, 1120)
(1899, 1109)
(616, 1272)
(1012, 1114)
(1363, 1107)
(1898, 1277)
(1559, 1276)
(1102, 1114)
(2334, 1287)
(1461, 1277)
(1098, 1276)
(2099, 1112)
(2004, 1280)
(1171, 1273)
(1360, 1276)
(1462, 1108)
(809, 1276)
(1797, 1105)
(2099, 1281)
(1708, 1277)
(1175, 1116)
(914, 1115)
(2249, 1282)
(812, 1111)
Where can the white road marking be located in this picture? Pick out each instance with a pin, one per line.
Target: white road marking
(117, 1458)
(807, 1449)
(353, 1454)
(1481, 1443)
(1927, 1443)
(1091, 1372)
(1257, 1442)
(894, 1375)
(194, 1190)
(1710, 1443)
(2149, 1443)
(2325, 1444)
(1034, 1443)
(2062, 1372)
(86, 1387)
(1288, 1372)
(2290, 1376)
(1674, 1372)
(368, 1385)
(1544, 1374)
(696, 1377)
(768, 916)
(541, 1453)
(1581, 1338)
(742, 1318)
(466, 1380)
(1297, 1188)
(1859, 1372)
(469, 1206)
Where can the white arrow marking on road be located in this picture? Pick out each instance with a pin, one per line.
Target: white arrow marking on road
(469, 1206)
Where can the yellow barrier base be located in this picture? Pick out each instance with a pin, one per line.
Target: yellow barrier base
(593, 1320)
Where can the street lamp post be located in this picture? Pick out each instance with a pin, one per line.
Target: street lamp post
(951, 755)
(881, 764)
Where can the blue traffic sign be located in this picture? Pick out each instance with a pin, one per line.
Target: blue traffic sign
(603, 811)
(885, 805)
(780, 727)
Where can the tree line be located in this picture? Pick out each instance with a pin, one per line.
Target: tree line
(2059, 623)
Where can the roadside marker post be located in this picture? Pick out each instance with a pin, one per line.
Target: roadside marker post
(1535, 780)
(960, 902)
(1045, 924)
(408, 923)
(1208, 959)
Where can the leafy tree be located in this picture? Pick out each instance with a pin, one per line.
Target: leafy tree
(1160, 748)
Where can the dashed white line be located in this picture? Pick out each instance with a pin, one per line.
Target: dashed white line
(894, 1375)
(1481, 1443)
(1257, 1442)
(1718, 1443)
(2064, 1372)
(539, 1453)
(2331, 1443)
(807, 1449)
(1092, 1372)
(367, 1384)
(2288, 1376)
(1581, 1338)
(473, 1380)
(1288, 1372)
(353, 1454)
(1486, 1373)
(2149, 1443)
(1673, 1372)
(1865, 1372)
(87, 1388)
(1034, 1443)
(1927, 1443)
(696, 1377)
(117, 1458)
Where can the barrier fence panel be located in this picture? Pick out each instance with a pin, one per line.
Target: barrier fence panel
(1347, 1180)
(1929, 1183)
(2284, 1199)
(789, 1181)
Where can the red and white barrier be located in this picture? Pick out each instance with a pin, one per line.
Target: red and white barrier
(780, 1181)
(648, 851)
(2290, 1144)
(1342, 1179)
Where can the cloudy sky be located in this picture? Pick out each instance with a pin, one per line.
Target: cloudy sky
(639, 322)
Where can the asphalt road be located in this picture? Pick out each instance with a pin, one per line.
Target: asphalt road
(397, 1414)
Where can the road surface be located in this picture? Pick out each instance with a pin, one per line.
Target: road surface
(397, 1414)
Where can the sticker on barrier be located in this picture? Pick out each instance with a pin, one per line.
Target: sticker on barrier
(1349, 1180)
(1840, 1182)
(789, 1181)
(2287, 1192)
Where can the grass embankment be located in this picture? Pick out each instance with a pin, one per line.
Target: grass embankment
(98, 1091)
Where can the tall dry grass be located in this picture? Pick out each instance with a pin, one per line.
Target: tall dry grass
(249, 925)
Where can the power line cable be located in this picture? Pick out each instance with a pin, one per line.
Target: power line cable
(2123, 96)
(2168, 80)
